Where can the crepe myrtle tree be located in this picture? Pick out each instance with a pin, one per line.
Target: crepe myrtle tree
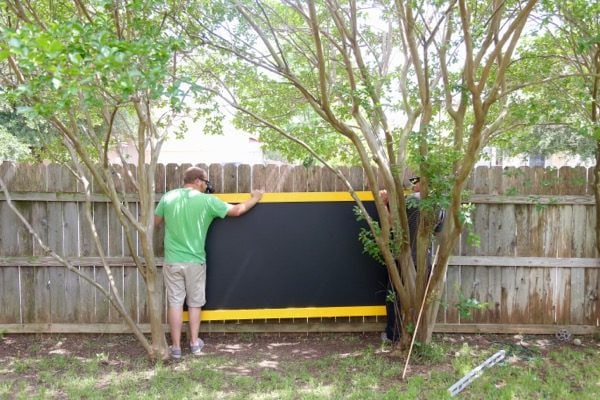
(390, 84)
(101, 72)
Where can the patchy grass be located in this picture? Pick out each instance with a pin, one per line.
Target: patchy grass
(315, 366)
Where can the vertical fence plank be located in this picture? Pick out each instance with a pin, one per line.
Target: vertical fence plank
(591, 298)
(272, 178)
(495, 177)
(160, 178)
(356, 178)
(328, 180)
(507, 293)
(65, 291)
(453, 282)
(102, 305)
(313, 179)
(244, 178)
(230, 178)
(8, 222)
(286, 176)
(527, 180)
(143, 316)
(173, 178)
(55, 237)
(580, 230)
(32, 291)
(259, 180)
(590, 248)
(482, 293)
(10, 299)
(563, 295)
(215, 173)
(468, 289)
(8, 169)
(340, 186)
(520, 311)
(481, 181)
(130, 178)
(536, 296)
(300, 179)
(502, 238)
(114, 233)
(494, 295)
(130, 291)
(577, 303)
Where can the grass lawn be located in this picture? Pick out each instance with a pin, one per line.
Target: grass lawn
(297, 366)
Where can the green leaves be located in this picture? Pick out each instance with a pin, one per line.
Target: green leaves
(555, 114)
(79, 67)
(75, 57)
(467, 305)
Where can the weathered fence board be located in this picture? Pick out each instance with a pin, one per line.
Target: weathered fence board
(591, 301)
(507, 296)
(536, 265)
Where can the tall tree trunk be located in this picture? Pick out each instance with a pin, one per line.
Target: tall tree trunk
(154, 300)
(596, 188)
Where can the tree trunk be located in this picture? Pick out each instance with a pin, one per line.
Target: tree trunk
(596, 188)
(154, 300)
(431, 309)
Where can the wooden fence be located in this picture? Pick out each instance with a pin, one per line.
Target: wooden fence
(536, 265)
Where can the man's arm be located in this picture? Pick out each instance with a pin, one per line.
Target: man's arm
(157, 220)
(242, 208)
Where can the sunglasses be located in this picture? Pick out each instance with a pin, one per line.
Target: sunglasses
(209, 187)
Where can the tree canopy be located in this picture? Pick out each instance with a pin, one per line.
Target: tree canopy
(555, 112)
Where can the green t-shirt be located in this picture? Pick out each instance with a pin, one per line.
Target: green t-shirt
(187, 214)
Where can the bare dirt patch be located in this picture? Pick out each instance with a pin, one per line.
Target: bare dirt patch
(275, 348)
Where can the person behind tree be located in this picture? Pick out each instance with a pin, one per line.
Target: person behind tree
(392, 331)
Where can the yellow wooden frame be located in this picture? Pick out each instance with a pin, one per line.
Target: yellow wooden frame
(296, 197)
(292, 312)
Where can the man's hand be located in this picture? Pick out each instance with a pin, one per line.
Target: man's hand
(257, 194)
(242, 208)
(384, 196)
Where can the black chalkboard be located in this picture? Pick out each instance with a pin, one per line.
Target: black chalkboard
(304, 254)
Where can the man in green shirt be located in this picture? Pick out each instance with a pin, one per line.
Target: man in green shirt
(188, 213)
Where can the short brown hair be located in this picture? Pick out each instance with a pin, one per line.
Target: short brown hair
(193, 173)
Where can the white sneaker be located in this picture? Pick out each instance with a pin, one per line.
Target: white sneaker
(196, 348)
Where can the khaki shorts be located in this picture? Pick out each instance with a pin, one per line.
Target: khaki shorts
(183, 280)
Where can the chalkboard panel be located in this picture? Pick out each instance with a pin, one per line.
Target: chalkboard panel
(292, 254)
